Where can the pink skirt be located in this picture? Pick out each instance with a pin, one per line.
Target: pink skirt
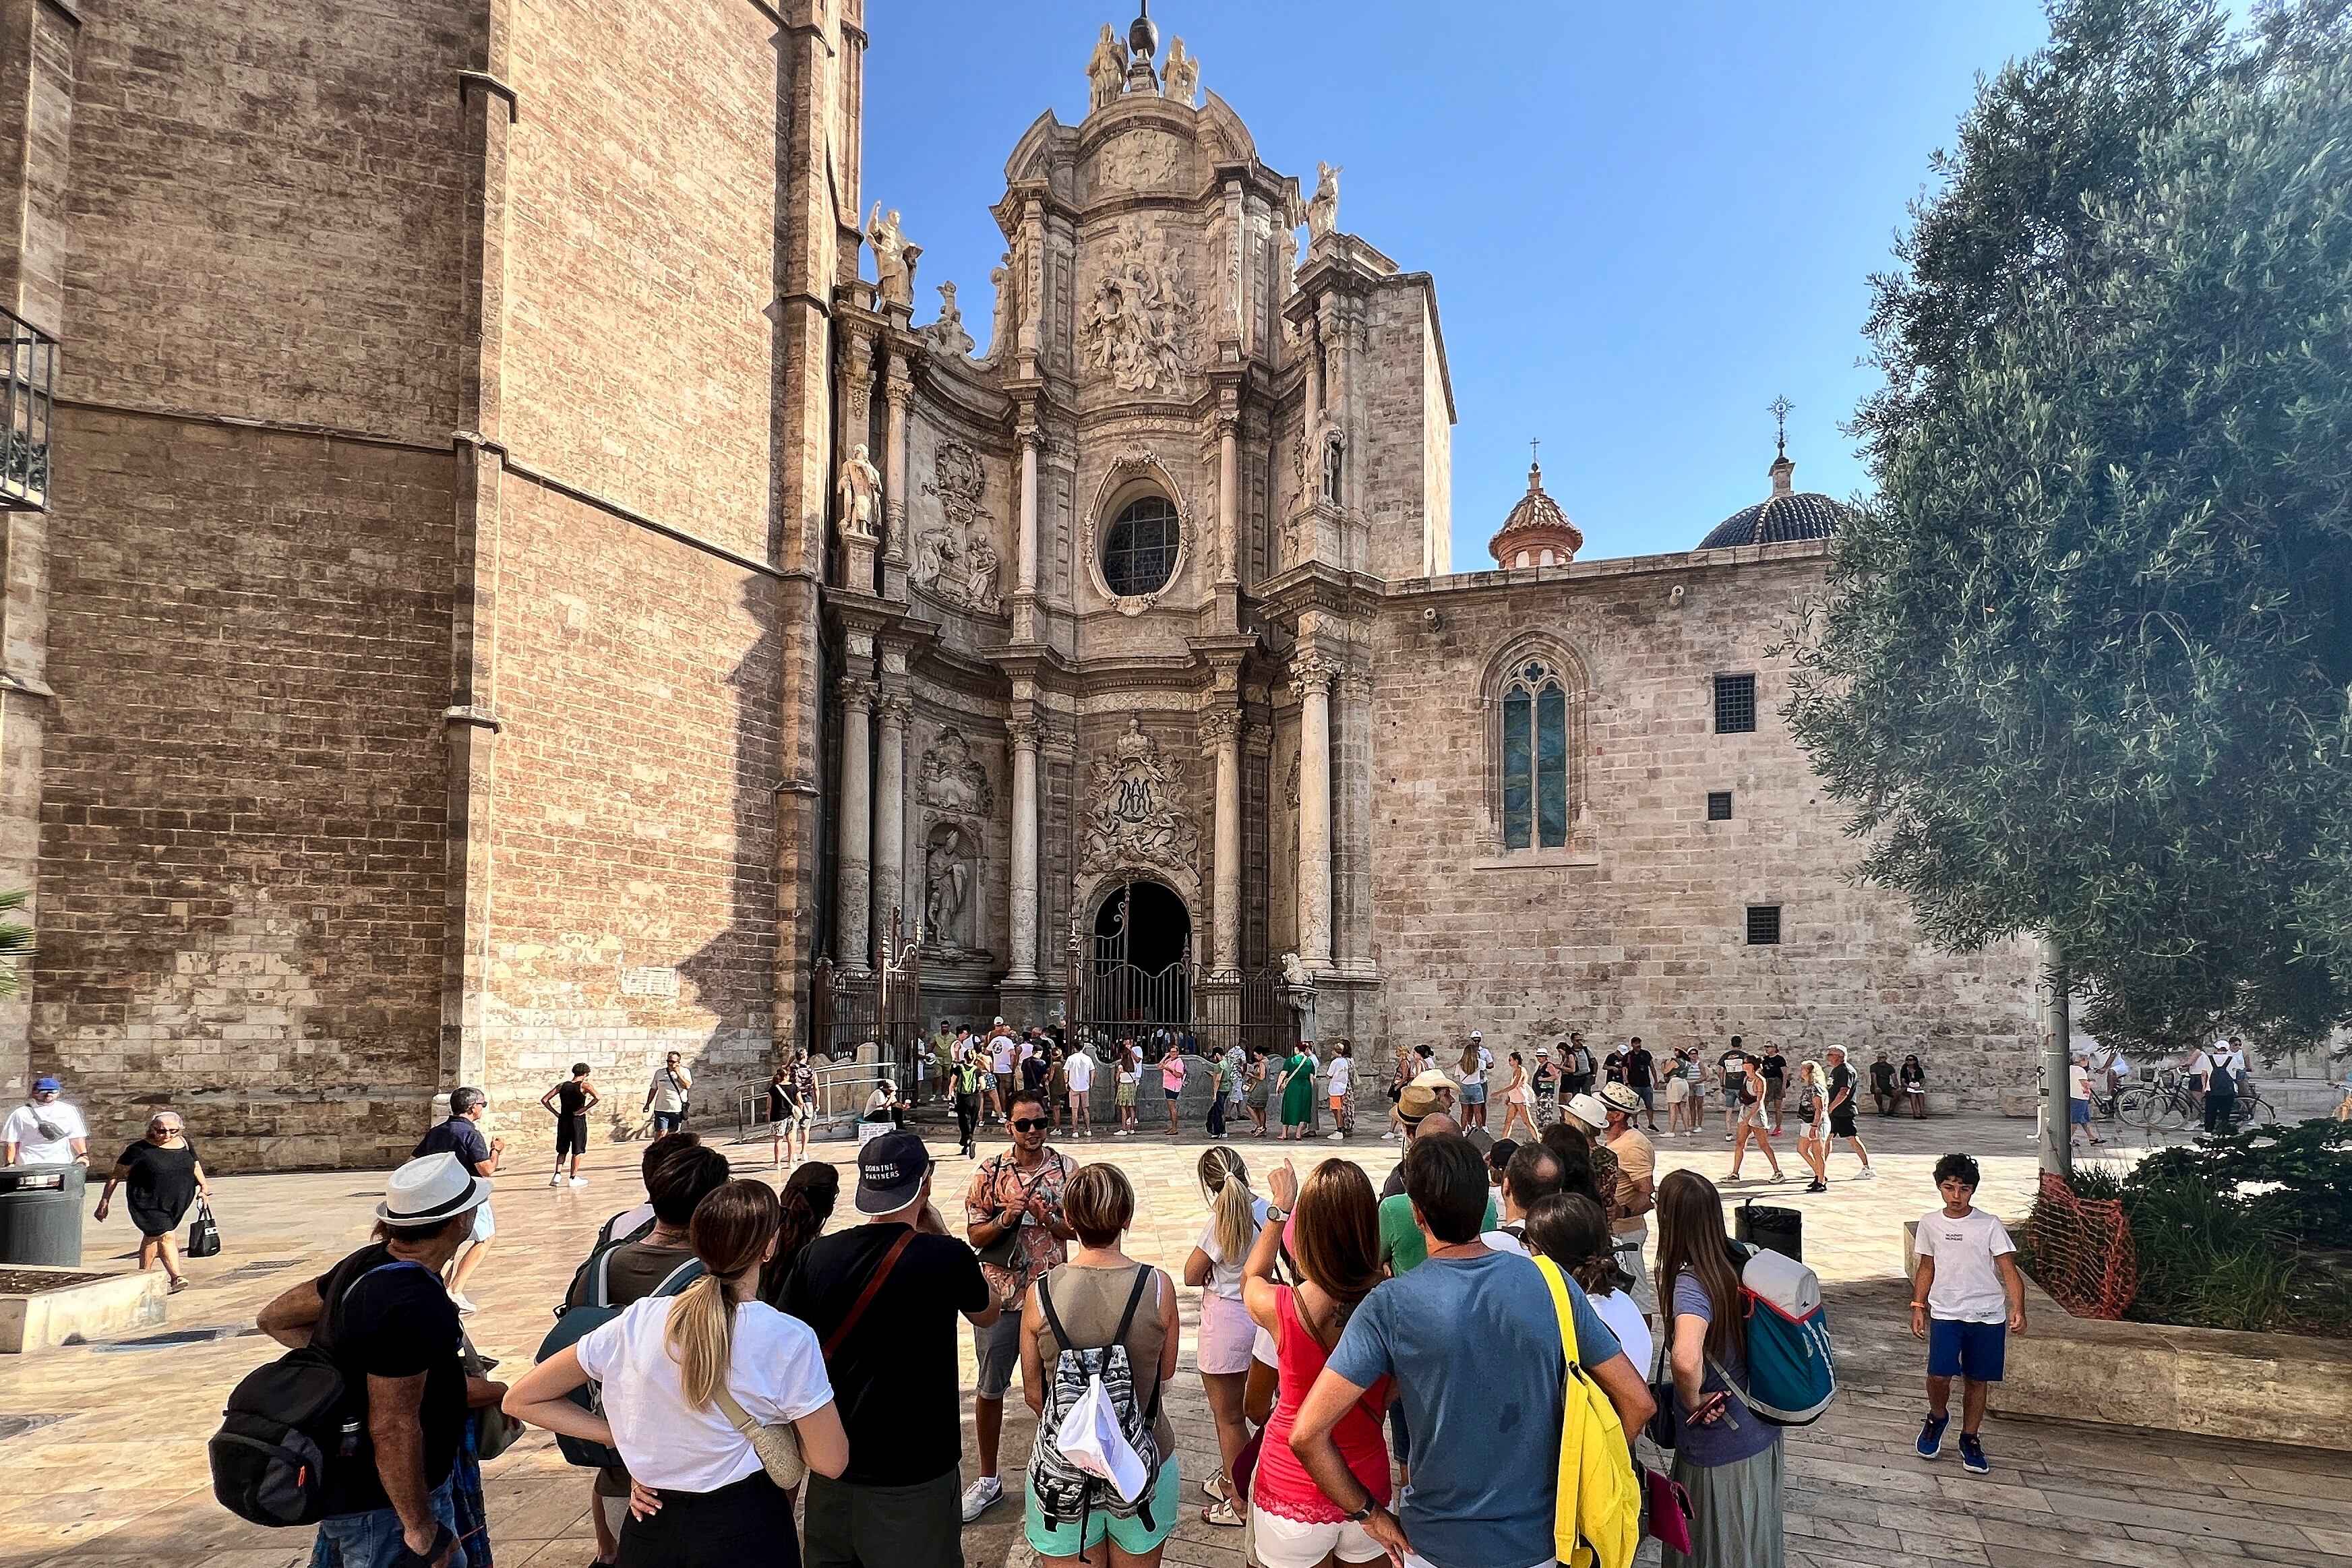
(1226, 1334)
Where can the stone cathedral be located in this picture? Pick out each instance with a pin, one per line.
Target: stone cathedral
(546, 598)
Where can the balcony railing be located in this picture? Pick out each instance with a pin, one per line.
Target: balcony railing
(28, 374)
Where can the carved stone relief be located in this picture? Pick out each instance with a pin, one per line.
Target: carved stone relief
(1137, 815)
(1144, 159)
(1135, 324)
(955, 549)
(953, 780)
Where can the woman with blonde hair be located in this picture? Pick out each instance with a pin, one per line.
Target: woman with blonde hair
(1090, 1295)
(1335, 1228)
(1813, 1123)
(1223, 1348)
(685, 1379)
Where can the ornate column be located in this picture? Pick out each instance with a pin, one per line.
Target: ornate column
(855, 907)
(1023, 729)
(1221, 734)
(1356, 821)
(1311, 679)
(899, 387)
(1229, 484)
(890, 818)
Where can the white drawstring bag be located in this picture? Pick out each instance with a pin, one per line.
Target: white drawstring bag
(1092, 1440)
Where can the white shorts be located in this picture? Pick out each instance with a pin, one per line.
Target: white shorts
(1676, 1091)
(485, 1226)
(1286, 1543)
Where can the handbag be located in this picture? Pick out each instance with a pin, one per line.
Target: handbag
(495, 1431)
(779, 1447)
(1005, 1250)
(203, 1232)
(1669, 1512)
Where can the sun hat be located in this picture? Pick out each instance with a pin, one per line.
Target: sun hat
(1589, 1110)
(1433, 1080)
(890, 1171)
(1416, 1102)
(429, 1190)
(1621, 1097)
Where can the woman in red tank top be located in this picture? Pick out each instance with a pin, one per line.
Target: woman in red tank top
(1334, 1237)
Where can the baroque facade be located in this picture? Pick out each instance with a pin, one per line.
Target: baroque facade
(508, 590)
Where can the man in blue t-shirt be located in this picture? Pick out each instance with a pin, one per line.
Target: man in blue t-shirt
(1472, 1340)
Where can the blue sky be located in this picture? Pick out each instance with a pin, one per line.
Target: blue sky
(1645, 221)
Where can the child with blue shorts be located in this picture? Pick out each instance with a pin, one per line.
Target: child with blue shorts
(1966, 1302)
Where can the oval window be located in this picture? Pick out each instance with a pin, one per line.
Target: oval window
(1139, 553)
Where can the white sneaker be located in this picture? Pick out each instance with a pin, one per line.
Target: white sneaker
(1867, 1174)
(464, 1305)
(579, 1181)
(979, 1496)
(1388, 1136)
(556, 1180)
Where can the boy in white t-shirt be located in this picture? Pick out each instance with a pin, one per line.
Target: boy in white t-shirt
(1966, 1300)
(1078, 1072)
(1336, 1084)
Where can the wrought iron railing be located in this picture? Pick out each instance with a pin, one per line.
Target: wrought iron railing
(28, 374)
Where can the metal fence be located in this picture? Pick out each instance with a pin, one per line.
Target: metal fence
(28, 373)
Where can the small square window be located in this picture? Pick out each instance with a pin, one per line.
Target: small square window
(1763, 925)
(1735, 704)
(1718, 805)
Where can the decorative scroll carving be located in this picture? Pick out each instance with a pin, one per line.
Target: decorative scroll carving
(1219, 725)
(955, 550)
(1137, 324)
(953, 780)
(1137, 815)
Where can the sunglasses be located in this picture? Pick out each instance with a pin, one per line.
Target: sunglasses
(1030, 1124)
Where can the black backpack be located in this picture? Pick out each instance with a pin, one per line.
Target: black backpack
(288, 1422)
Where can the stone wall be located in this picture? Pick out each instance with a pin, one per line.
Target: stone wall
(1647, 934)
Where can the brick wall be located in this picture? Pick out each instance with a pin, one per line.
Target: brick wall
(243, 812)
(1649, 938)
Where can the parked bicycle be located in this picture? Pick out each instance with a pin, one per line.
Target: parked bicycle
(2167, 1104)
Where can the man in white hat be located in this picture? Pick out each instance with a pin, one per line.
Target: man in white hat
(393, 1330)
(1637, 1171)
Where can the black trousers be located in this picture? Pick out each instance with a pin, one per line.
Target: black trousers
(1216, 1116)
(2221, 1111)
(967, 1118)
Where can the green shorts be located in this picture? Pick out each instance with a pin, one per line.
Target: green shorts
(1126, 1531)
(1126, 1094)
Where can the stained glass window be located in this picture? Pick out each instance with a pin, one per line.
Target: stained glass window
(1139, 551)
(1518, 785)
(1538, 801)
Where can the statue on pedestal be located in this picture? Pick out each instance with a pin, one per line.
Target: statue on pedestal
(1323, 211)
(861, 492)
(893, 258)
(1184, 74)
(1107, 69)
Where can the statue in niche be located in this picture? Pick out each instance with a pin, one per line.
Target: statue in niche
(1106, 71)
(893, 258)
(861, 490)
(1323, 211)
(948, 875)
(1184, 74)
(956, 560)
(1137, 324)
(947, 335)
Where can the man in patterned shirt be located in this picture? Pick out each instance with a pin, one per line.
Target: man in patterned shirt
(1015, 1196)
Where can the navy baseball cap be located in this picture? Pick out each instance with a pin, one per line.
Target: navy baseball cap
(890, 1171)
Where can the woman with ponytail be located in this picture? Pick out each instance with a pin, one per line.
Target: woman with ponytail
(1226, 1333)
(665, 1362)
(809, 1195)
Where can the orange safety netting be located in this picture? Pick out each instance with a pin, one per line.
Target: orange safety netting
(2083, 1252)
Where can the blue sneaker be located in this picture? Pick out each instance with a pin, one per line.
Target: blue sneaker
(1931, 1435)
(1972, 1455)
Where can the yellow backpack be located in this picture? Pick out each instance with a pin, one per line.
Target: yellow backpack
(1598, 1521)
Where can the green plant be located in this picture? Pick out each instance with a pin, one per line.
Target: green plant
(2295, 1182)
(16, 942)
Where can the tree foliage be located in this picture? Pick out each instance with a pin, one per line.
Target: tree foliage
(2081, 666)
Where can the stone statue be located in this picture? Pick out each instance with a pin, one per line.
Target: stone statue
(861, 493)
(947, 335)
(947, 889)
(1000, 332)
(1184, 74)
(1323, 211)
(893, 258)
(1107, 69)
(1294, 973)
(980, 565)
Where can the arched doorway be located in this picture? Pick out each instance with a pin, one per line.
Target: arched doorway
(1141, 976)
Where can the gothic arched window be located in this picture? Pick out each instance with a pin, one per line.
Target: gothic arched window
(1538, 790)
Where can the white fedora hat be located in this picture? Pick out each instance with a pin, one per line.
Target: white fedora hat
(430, 1190)
(1589, 1109)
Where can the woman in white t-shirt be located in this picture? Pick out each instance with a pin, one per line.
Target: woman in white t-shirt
(1223, 1345)
(1471, 1072)
(670, 1366)
(1570, 1229)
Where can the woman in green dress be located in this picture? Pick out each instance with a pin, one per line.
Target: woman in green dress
(1297, 1092)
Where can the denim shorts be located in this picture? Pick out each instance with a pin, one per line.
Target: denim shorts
(1977, 1352)
(373, 1539)
(1474, 1094)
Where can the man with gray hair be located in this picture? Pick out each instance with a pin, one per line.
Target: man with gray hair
(1840, 1092)
(462, 1135)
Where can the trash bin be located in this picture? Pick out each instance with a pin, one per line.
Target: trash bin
(1781, 1230)
(40, 1214)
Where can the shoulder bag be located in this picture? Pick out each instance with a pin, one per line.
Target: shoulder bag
(779, 1447)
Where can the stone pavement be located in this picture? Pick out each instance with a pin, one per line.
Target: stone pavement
(102, 1446)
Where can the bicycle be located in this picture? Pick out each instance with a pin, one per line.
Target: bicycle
(2163, 1102)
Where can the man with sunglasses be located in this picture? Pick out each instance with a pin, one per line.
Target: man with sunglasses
(1013, 1218)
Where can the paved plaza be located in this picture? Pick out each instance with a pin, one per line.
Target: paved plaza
(104, 1455)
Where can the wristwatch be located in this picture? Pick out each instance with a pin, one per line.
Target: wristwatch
(1364, 1513)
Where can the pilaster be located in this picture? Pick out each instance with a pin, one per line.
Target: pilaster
(856, 693)
(1023, 729)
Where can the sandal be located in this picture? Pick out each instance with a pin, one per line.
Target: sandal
(1220, 1512)
(176, 1286)
(1215, 1487)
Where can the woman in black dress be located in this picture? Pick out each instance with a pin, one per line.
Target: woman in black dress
(570, 1102)
(163, 1177)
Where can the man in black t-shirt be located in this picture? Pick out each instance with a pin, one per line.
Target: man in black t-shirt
(1640, 1066)
(894, 1371)
(382, 1314)
(462, 1135)
(1881, 1084)
(1841, 1087)
(1775, 1068)
(1613, 1066)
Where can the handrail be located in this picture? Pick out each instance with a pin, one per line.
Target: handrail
(28, 374)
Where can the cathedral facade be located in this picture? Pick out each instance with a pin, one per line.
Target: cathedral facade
(512, 583)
